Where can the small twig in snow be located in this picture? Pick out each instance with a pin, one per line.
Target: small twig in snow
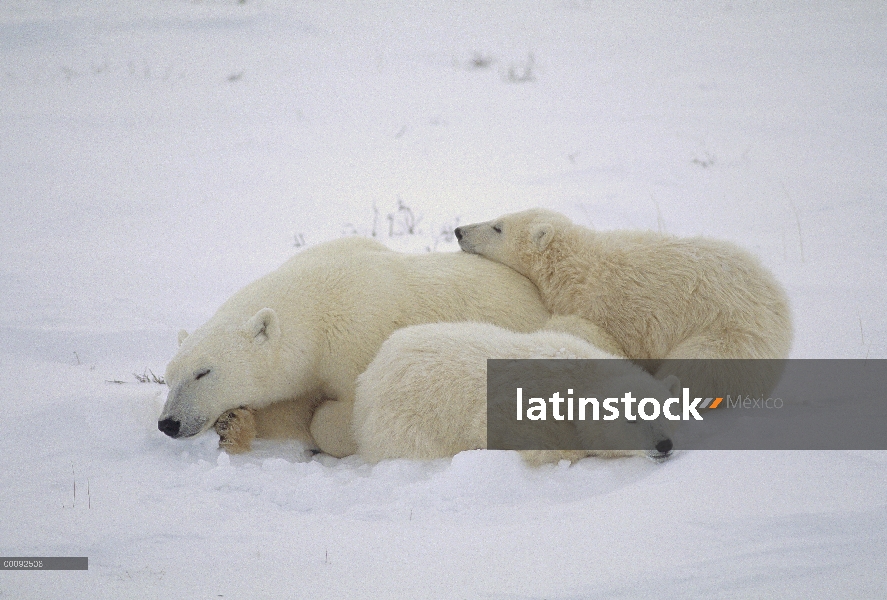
(660, 222)
(480, 61)
(146, 378)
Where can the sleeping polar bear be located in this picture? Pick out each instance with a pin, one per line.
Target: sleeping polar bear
(650, 296)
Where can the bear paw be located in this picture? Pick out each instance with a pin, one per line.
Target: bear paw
(236, 429)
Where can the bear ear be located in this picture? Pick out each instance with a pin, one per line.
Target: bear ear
(673, 384)
(183, 335)
(263, 326)
(542, 235)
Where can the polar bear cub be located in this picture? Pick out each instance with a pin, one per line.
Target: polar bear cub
(648, 295)
(424, 395)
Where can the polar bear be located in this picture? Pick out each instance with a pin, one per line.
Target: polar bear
(424, 395)
(303, 333)
(651, 296)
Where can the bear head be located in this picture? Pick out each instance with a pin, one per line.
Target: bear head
(651, 436)
(515, 240)
(221, 366)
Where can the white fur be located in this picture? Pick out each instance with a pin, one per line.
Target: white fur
(648, 295)
(306, 331)
(424, 396)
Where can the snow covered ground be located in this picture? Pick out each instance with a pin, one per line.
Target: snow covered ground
(156, 156)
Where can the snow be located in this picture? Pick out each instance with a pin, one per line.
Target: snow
(157, 156)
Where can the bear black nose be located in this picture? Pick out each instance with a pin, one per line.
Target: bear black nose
(458, 233)
(169, 426)
(664, 446)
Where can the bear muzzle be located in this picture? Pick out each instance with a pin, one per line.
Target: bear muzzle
(464, 242)
(181, 417)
